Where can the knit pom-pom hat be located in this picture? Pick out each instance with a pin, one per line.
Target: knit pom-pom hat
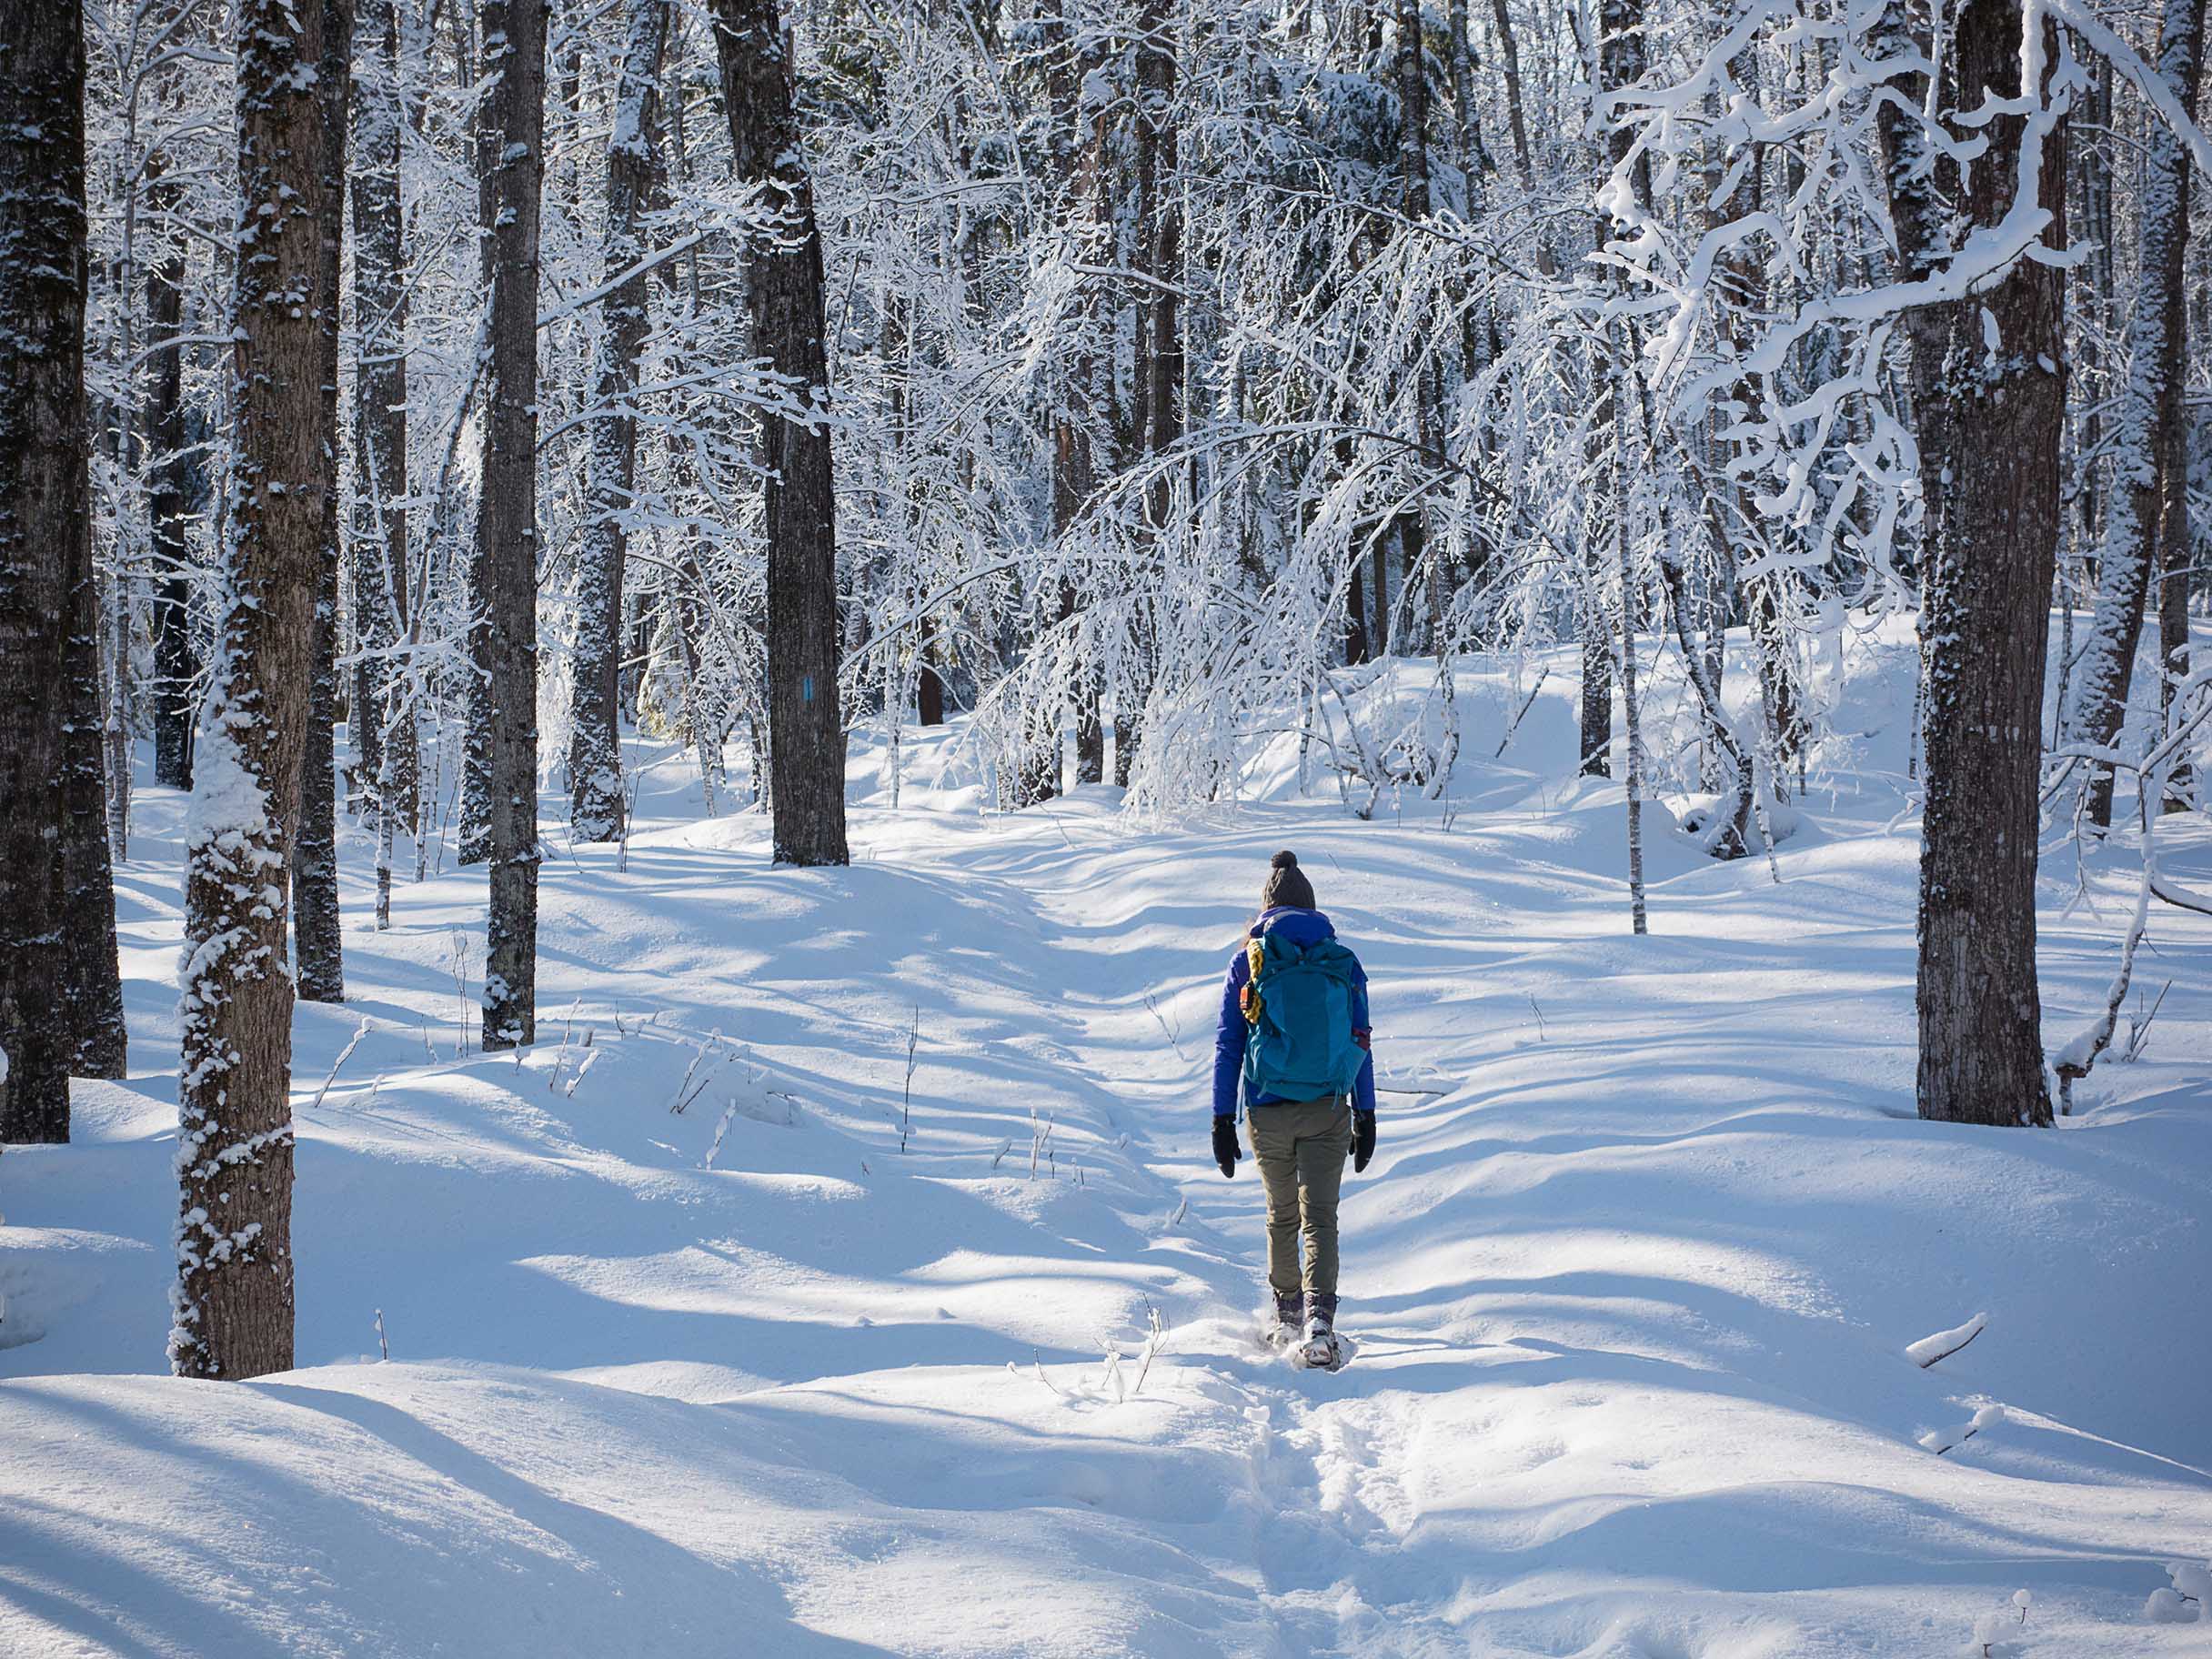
(1286, 883)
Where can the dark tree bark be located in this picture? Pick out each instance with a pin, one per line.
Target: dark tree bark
(384, 718)
(233, 1297)
(595, 747)
(784, 294)
(45, 508)
(1917, 185)
(2148, 421)
(1987, 622)
(1156, 258)
(174, 662)
(2175, 544)
(94, 988)
(1411, 532)
(929, 685)
(1077, 415)
(510, 151)
(318, 953)
(1509, 51)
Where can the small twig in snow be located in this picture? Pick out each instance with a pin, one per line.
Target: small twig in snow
(344, 1055)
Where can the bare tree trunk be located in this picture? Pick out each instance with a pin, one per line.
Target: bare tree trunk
(1989, 589)
(1078, 172)
(93, 1004)
(1509, 50)
(1620, 63)
(929, 685)
(233, 1299)
(595, 745)
(318, 951)
(1630, 708)
(1414, 202)
(510, 156)
(2148, 420)
(44, 507)
(1157, 257)
(174, 665)
(806, 736)
(384, 717)
(2176, 543)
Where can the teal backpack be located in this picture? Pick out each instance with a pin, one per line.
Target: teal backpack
(1297, 1006)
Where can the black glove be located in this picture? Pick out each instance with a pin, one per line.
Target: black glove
(1226, 1151)
(1363, 1140)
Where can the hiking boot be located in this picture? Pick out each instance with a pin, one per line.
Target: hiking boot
(1290, 1309)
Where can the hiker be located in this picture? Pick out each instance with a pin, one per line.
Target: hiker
(1294, 1032)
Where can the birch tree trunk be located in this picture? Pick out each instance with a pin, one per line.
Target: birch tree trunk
(232, 1301)
(319, 953)
(784, 296)
(595, 747)
(1987, 622)
(44, 506)
(2148, 423)
(510, 154)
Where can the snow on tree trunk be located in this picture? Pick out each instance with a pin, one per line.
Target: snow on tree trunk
(510, 159)
(2177, 569)
(232, 1301)
(318, 955)
(383, 704)
(175, 664)
(2149, 415)
(1988, 614)
(44, 507)
(595, 750)
(784, 297)
(1080, 172)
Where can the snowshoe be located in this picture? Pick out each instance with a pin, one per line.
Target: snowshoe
(1326, 1351)
(1322, 1350)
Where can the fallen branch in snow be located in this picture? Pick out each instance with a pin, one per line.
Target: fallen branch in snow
(906, 1105)
(2192, 1587)
(1036, 1359)
(591, 1059)
(1529, 702)
(344, 1055)
(1173, 1040)
(685, 1092)
(1989, 1417)
(2079, 1057)
(1945, 1343)
(561, 1060)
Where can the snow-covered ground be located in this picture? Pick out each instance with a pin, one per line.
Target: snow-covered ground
(800, 1370)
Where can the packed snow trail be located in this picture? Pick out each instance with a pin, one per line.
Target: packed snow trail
(1632, 1275)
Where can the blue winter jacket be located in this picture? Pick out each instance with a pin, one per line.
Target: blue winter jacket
(1299, 928)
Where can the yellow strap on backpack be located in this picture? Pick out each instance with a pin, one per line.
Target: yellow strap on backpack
(1253, 954)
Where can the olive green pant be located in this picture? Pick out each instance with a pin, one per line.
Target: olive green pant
(1301, 1147)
